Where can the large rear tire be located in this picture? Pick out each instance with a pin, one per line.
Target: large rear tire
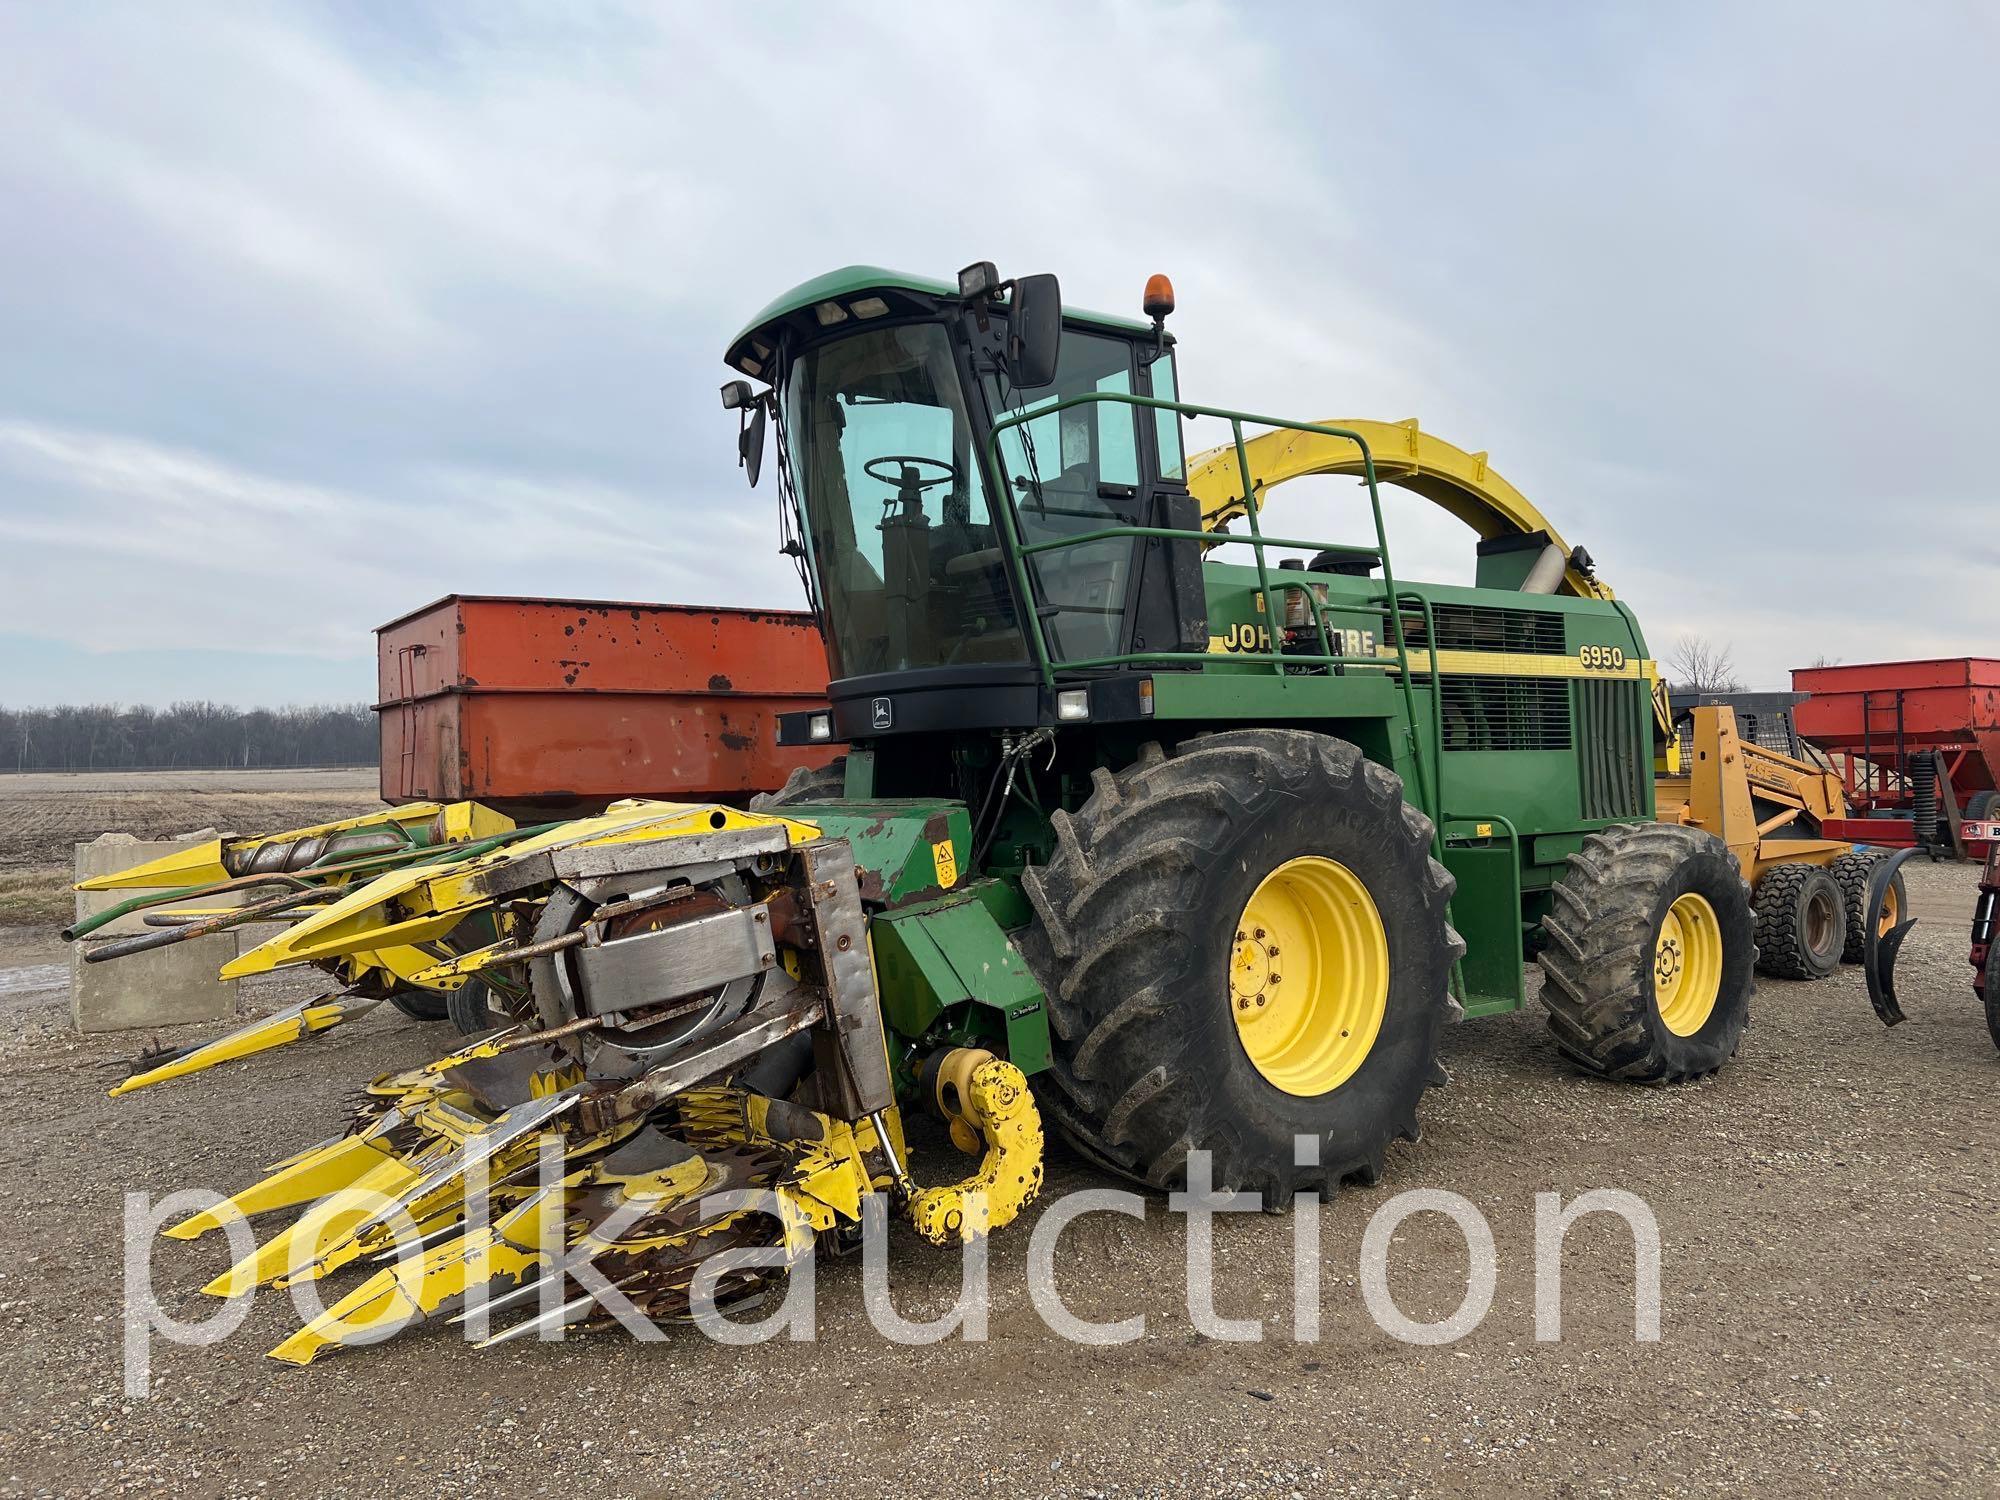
(1182, 896)
(1801, 922)
(1850, 872)
(1650, 950)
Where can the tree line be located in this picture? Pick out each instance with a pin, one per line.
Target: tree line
(184, 736)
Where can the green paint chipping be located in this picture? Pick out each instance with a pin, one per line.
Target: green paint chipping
(896, 839)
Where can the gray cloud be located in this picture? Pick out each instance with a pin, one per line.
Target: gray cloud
(309, 314)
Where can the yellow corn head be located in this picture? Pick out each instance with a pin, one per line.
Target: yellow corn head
(696, 1019)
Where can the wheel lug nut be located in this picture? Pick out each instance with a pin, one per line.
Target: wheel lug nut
(1260, 934)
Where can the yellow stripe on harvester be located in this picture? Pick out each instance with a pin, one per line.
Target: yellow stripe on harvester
(1519, 664)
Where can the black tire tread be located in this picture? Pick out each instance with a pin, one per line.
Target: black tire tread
(1992, 996)
(1600, 931)
(1851, 873)
(1781, 893)
(471, 1008)
(1120, 1086)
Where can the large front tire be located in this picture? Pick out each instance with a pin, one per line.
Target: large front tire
(1651, 947)
(1147, 941)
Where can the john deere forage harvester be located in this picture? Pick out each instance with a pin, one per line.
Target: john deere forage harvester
(1208, 850)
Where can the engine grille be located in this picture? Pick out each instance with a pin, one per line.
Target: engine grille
(1505, 713)
(1615, 752)
(1479, 627)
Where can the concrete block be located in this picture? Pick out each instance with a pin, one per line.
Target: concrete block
(166, 987)
(111, 852)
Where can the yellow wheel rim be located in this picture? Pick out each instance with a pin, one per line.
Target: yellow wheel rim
(1687, 965)
(1309, 975)
(1890, 908)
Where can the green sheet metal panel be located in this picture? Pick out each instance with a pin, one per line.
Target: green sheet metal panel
(914, 847)
(1486, 910)
(943, 955)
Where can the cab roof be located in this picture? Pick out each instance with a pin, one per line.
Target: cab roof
(850, 281)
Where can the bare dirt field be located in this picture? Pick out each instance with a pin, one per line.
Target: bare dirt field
(1827, 1206)
(43, 815)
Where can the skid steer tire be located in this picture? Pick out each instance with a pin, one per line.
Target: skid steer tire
(1605, 937)
(1137, 929)
(1850, 872)
(421, 1005)
(806, 784)
(1801, 922)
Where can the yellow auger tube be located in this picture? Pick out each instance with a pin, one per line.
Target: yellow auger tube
(1449, 477)
(990, 1100)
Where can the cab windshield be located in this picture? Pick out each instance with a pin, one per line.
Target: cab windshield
(896, 512)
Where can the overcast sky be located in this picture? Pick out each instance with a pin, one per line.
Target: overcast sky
(311, 313)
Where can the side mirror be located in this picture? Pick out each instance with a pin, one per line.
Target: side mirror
(1034, 335)
(750, 445)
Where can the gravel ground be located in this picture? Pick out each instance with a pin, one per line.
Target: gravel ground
(1827, 1207)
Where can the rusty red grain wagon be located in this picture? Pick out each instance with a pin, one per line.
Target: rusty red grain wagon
(1903, 734)
(555, 706)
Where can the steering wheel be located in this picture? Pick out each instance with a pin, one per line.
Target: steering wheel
(913, 464)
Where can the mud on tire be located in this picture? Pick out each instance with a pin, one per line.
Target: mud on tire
(1608, 912)
(1135, 919)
